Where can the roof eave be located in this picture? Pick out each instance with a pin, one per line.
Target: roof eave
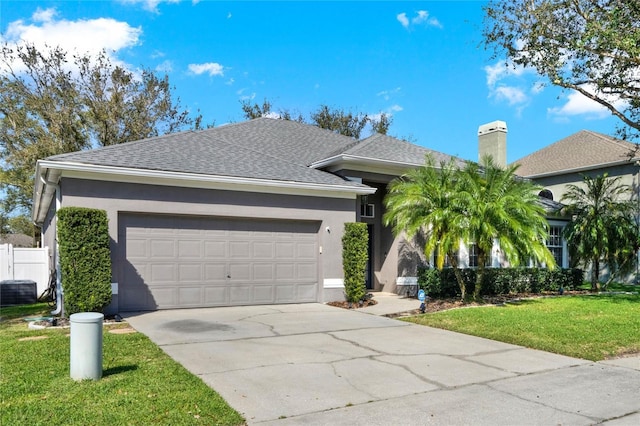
(355, 159)
(124, 174)
(582, 169)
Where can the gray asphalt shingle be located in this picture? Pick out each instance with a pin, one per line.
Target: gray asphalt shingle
(579, 150)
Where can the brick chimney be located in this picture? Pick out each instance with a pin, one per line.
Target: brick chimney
(492, 140)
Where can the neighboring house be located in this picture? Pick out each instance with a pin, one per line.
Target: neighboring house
(17, 240)
(247, 213)
(583, 153)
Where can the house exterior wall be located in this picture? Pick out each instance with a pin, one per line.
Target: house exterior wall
(116, 197)
(557, 184)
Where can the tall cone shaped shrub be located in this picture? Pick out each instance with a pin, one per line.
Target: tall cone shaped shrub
(85, 261)
(355, 254)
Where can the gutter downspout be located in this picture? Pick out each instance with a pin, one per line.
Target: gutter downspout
(59, 292)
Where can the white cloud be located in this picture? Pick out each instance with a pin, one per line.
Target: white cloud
(84, 36)
(579, 104)
(395, 108)
(402, 18)
(150, 5)
(43, 15)
(421, 18)
(386, 94)
(165, 67)
(512, 95)
(211, 68)
(500, 71)
(90, 35)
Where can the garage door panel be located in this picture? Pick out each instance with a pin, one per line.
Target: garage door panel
(189, 296)
(263, 294)
(216, 296)
(179, 261)
(190, 272)
(239, 249)
(306, 251)
(215, 249)
(307, 271)
(306, 293)
(160, 273)
(165, 296)
(262, 250)
(162, 249)
(190, 249)
(215, 271)
(263, 271)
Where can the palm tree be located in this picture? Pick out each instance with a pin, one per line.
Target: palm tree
(499, 206)
(425, 200)
(603, 227)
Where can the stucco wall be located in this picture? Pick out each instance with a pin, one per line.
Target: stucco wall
(628, 174)
(126, 197)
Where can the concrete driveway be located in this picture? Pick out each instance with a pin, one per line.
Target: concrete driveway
(316, 364)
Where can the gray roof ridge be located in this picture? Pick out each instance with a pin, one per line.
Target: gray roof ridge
(610, 139)
(363, 143)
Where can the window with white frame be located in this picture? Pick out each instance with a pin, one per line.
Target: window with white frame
(367, 210)
(554, 243)
(473, 256)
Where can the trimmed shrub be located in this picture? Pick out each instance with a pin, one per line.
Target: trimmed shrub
(355, 247)
(499, 281)
(85, 262)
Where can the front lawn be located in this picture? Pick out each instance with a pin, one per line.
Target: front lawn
(593, 327)
(141, 385)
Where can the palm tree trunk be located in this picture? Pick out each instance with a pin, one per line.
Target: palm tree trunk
(479, 276)
(595, 274)
(463, 287)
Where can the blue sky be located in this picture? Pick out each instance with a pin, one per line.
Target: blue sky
(420, 61)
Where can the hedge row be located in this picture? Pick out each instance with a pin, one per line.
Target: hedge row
(499, 281)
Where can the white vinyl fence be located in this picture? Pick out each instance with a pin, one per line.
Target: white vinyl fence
(17, 263)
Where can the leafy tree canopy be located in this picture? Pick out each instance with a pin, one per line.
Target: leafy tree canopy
(478, 203)
(340, 121)
(603, 226)
(590, 46)
(52, 102)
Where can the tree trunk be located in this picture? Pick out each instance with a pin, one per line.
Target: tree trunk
(479, 276)
(595, 274)
(463, 287)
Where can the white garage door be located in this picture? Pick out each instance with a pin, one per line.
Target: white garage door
(182, 261)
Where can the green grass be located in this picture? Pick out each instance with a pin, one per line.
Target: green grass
(593, 327)
(141, 385)
(614, 287)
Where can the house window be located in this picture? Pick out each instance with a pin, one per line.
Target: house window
(473, 256)
(554, 243)
(447, 264)
(367, 210)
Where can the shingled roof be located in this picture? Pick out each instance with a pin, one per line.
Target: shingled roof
(387, 148)
(584, 149)
(204, 152)
(263, 148)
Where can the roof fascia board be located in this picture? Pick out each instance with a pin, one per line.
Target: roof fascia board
(122, 174)
(365, 164)
(584, 168)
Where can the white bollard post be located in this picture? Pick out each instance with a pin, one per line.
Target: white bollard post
(86, 345)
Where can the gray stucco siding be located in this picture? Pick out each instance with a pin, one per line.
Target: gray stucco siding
(122, 198)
